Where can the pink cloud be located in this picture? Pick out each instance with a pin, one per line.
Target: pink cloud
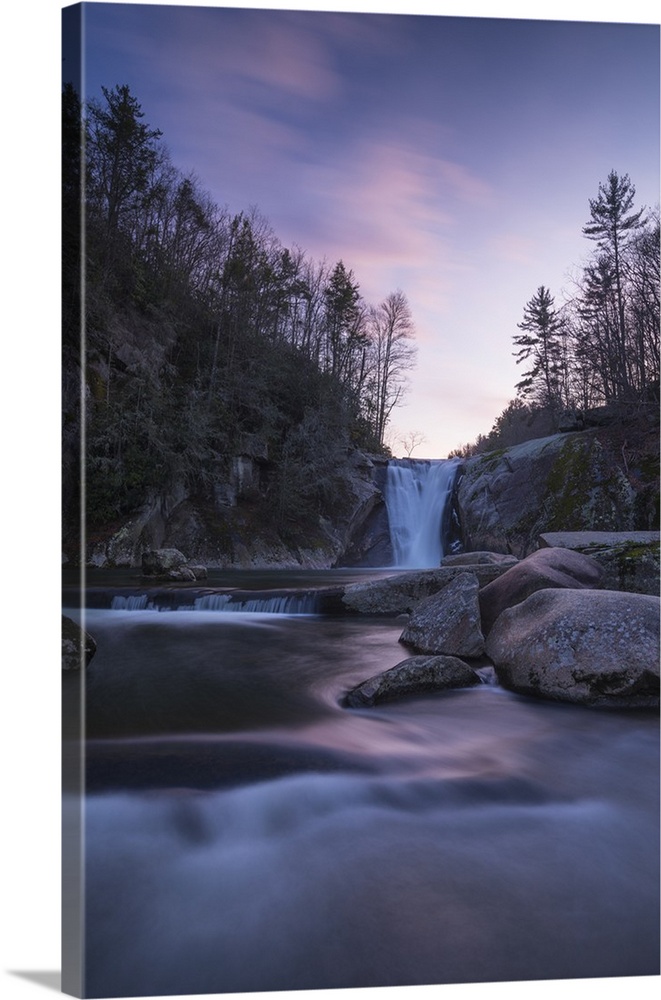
(390, 211)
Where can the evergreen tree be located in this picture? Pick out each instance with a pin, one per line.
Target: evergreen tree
(346, 339)
(122, 155)
(541, 344)
(612, 224)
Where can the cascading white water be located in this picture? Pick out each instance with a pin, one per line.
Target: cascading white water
(287, 604)
(416, 495)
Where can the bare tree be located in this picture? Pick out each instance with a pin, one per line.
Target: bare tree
(392, 357)
(411, 440)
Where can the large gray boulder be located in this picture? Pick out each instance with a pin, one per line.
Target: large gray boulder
(540, 570)
(565, 482)
(400, 593)
(591, 647)
(414, 676)
(448, 622)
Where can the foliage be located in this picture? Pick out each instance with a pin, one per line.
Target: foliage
(204, 331)
(601, 348)
(540, 343)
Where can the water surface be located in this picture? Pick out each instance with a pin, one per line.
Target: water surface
(246, 833)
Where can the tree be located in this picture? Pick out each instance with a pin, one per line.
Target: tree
(612, 224)
(73, 145)
(392, 355)
(541, 344)
(411, 440)
(122, 153)
(346, 340)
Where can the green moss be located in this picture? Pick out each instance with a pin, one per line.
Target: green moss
(490, 461)
(584, 491)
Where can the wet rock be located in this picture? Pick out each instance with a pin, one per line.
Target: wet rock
(480, 559)
(400, 593)
(590, 647)
(162, 562)
(199, 572)
(78, 646)
(541, 570)
(448, 622)
(413, 676)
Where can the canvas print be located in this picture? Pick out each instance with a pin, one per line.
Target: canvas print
(360, 500)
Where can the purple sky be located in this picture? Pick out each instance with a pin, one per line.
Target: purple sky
(451, 157)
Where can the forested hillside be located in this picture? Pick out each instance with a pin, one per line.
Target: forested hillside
(204, 339)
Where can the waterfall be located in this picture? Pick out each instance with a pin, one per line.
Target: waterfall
(303, 603)
(416, 495)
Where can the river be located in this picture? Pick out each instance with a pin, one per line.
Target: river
(245, 832)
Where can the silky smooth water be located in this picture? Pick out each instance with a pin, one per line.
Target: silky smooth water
(244, 832)
(416, 495)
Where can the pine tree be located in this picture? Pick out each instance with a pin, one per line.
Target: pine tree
(541, 344)
(612, 224)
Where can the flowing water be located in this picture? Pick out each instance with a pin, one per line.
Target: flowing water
(244, 832)
(416, 496)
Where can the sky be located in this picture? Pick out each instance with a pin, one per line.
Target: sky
(449, 157)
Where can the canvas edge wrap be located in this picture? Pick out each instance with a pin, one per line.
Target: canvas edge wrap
(73, 678)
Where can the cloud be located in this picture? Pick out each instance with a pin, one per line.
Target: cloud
(513, 247)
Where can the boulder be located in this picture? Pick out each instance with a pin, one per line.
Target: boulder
(480, 559)
(629, 559)
(541, 570)
(448, 622)
(590, 647)
(199, 572)
(399, 594)
(414, 676)
(507, 498)
(162, 562)
(78, 646)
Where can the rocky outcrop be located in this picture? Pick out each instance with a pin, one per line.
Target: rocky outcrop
(587, 647)
(629, 559)
(232, 525)
(568, 482)
(78, 646)
(414, 676)
(541, 570)
(448, 622)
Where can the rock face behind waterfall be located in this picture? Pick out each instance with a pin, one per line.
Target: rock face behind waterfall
(566, 482)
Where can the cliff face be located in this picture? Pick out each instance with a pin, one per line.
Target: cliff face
(583, 481)
(232, 525)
